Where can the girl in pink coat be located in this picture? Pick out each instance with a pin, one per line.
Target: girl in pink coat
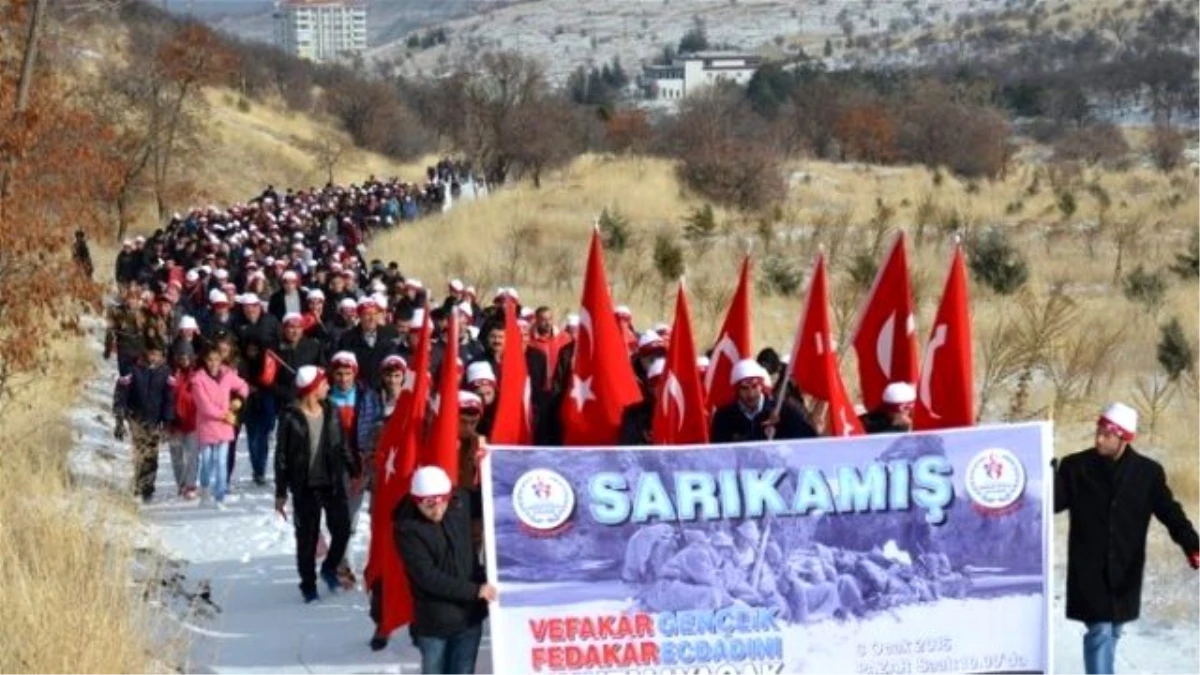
(213, 390)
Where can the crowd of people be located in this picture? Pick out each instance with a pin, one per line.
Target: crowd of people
(270, 317)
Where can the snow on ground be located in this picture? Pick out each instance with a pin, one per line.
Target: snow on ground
(247, 554)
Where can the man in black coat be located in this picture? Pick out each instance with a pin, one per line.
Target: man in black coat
(1111, 491)
(295, 351)
(894, 416)
(145, 399)
(370, 341)
(449, 590)
(751, 416)
(312, 462)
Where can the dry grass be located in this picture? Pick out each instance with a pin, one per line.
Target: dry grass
(537, 240)
(67, 603)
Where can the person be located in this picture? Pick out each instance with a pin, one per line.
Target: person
(313, 462)
(1110, 491)
(370, 341)
(751, 415)
(450, 595)
(81, 254)
(894, 415)
(218, 393)
(344, 394)
(144, 398)
(181, 437)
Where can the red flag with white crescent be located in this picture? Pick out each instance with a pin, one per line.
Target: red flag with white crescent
(680, 412)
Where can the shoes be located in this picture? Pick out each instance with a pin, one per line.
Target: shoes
(260, 481)
(146, 499)
(310, 595)
(378, 642)
(331, 580)
(188, 493)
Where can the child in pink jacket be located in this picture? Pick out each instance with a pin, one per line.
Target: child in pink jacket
(213, 389)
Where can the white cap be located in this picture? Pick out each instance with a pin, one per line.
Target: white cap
(221, 273)
(526, 312)
(393, 361)
(899, 393)
(480, 371)
(306, 376)
(573, 320)
(188, 323)
(469, 401)
(465, 308)
(649, 340)
(656, 368)
(702, 362)
(456, 285)
(413, 283)
(662, 329)
(1123, 417)
(291, 275)
(216, 296)
(347, 304)
(748, 369)
(192, 276)
(314, 294)
(293, 317)
(623, 311)
(248, 299)
(378, 286)
(344, 358)
(367, 302)
(430, 481)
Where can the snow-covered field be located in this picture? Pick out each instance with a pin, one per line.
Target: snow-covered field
(246, 553)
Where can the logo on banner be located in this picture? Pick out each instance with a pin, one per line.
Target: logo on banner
(995, 480)
(543, 501)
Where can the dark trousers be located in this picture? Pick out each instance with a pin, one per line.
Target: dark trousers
(259, 423)
(454, 655)
(307, 506)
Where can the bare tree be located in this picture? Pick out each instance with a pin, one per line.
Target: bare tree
(328, 154)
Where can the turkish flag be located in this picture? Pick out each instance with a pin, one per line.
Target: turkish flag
(602, 380)
(946, 391)
(395, 462)
(885, 334)
(814, 361)
(513, 425)
(269, 369)
(733, 343)
(680, 413)
(442, 448)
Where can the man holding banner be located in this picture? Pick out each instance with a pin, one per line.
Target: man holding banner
(1111, 491)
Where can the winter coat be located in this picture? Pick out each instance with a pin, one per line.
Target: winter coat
(1110, 505)
(144, 395)
(387, 342)
(277, 304)
(292, 452)
(370, 417)
(443, 570)
(266, 330)
(730, 424)
(879, 422)
(212, 396)
(185, 403)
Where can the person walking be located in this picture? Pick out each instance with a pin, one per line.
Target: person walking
(181, 438)
(144, 398)
(218, 393)
(450, 595)
(1110, 491)
(312, 463)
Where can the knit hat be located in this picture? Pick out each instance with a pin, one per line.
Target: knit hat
(249, 299)
(430, 481)
(347, 305)
(1119, 419)
(650, 342)
(292, 318)
(393, 362)
(623, 312)
(308, 378)
(314, 295)
(899, 394)
(481, 371)
(748, 369)
(469, 402)
(343, 359)
(188, 323)
(217, 297)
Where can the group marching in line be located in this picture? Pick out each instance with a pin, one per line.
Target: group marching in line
(268, 318)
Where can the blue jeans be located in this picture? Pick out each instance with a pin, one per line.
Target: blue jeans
(258, 434)
(1100, 647)
(454, 655)
(212, 469)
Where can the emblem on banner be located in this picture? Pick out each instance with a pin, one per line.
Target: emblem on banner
(543, 501)
(995, 480)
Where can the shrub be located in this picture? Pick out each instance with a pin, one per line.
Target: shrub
(744, 175)
(1066, 203)
(1148, 289)
(781, 276)
(863, 268)
(615, 232)
(1187, 265)
(997, 263)
(1175, 353)
(1101, 143)
(1166, 147)
(668, 257)
(700, 229)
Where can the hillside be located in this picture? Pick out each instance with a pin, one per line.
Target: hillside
(564, 34)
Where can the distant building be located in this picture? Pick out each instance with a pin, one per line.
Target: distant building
(321, 30)
(689, 73)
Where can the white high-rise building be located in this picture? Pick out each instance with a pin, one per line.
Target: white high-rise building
(321, 30)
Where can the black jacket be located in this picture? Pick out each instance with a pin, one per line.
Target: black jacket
(1110, 505)
(729, 425)
(266, 330)
(291, 452)
(443, 570)
(879, 422)
(387, 342)
(145, 395)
